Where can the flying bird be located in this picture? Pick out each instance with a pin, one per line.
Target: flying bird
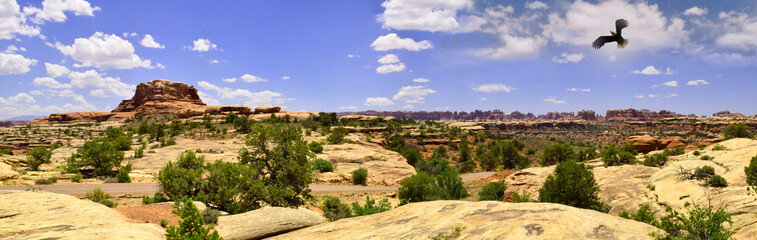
(615, 37)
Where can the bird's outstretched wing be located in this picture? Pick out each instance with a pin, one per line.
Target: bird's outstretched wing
(601, 41)
(620, 24)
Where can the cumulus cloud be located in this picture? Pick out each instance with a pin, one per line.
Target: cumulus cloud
(251, 78)
(246, 96)
(652, 95)
(730, 59)
(514, 48)
(378, 101)
(578, 89)
(149, 41)
(49, 83)
(14, 21)
(104, 51)
(99, 85)
(388, 68)
(347, 107)
(213, 60)
(54, 10)
(553, 100)
(353, 55)
(671, 84)
(15, 64)
(649, 70)
(413, 94)
(647, 24)
(740, 31)
(672, 95)
(695, 11)
(697, 82)
(230, 80)
(426, 15)
(286, 77)
(569, 58)
(639, 96)
(23, 104)
(421, 80)
(202, 45)
(13, 49)
(207, 99)
(536, 5)
(55, 70)
(388, 59)
(409, 106)
(493, 87)
(18, 99)
(391, 42)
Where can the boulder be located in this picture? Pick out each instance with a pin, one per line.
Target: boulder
(45, 215)
(264, 222)
(644, 143)
(673, 142)
(710, 141)
(479, 220)
(267, 109)
(384, 167)
(6, 172)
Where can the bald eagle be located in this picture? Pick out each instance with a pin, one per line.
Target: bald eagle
(615, 37)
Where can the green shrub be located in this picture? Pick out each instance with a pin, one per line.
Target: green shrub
(700, 222)
(5, 151)
(337, 136)
(494, 191)
(751, 174)
(140, 151)
(163, 222)
(191, 225)
(76, 178)
(705, 170)
(524, 196)
(43, 181)
(359, 176)
(157, 198)
(433, 166)
(655, 160)
(53, 179)
(718, 181)
(737, 131)
(122, 143)
(696, 153)
(210, 215)
(530, 151)
(334, 209)
(417, 188)
(370, 207)
(440, 152)
(572, 184)
(613, 156)
(450, 186)
(644, 214)
(316, 147)
(97, 195)
(182, 178)
(37, 156)
(107, 203)
(123, 173)
(101, 156)
(705, 157)
(718, 147)
(323, 165)
(467, 166)
(557, 153)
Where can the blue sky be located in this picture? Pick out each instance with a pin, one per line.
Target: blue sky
(459, 55)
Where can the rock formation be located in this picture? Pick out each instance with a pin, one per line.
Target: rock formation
(479, 220)
(648, 143)
(45, 215)
(266, 222)
(384, 167)
(160, 91)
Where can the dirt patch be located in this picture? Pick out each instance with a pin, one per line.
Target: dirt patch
(151, 213)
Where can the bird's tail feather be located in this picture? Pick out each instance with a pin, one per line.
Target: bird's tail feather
(624, 44)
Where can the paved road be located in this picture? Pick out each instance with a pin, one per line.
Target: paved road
(153, 187)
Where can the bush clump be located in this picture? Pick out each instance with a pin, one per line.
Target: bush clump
(572, 184)
(656, 160)
(123, 173)
(334, 209)
(323, 165)
(360, 176)
(751, 174)
(370, 207)
(737, 131)
(38, 156)
(190, 225)
(557, 153)
(718, 147)
(718, 181)
(337, 136)
(613, 156)
(76, 178)
(103, 157)
(316, 147)
(423, 187)
(643, 214)
(493, 191)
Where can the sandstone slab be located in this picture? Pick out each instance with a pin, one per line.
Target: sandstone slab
(385, 167)
(266, 222)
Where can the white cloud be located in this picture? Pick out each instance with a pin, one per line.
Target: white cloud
(207, 99)
(388, 68)
(286, 77)
(353, 55)
(103, 51)
(493, 87)
(14, 49)
(55, 70)
(409, 106)
(730, 59)
(695, 11)
(391, 42)
(18, 99)
(584, 21)
(53, 10)
(213, 60)
(388, 59)
(203, 45)
(697, 82)
(655, 85)
(421, 80)
(639, 96)
(649, 70)
(669, 71)
(536, 5)
(14, 21)
(740, 31)
(578, 89)
(251, 78)
(149, 41)
(347, 107)
(652, 95)
(15, 64)
(243, 95)
(49, 83)
(671, 84)
(427, 15)
(612, 58)
(101, 86)
(413, 94)
(230, 80)
(378, 101)
(569, 58)
(515, 48)
(672, 95)
(126, 34)
(553, 100)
